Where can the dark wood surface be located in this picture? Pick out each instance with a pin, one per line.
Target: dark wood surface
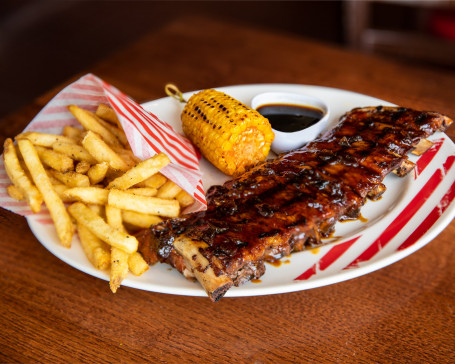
(51, 312)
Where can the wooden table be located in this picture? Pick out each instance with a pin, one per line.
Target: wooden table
(51, 312)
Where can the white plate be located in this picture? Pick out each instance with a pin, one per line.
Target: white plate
(411, 213)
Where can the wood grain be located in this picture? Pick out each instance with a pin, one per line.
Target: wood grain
(51, 312)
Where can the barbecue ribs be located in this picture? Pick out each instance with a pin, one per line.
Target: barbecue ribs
(291, 202)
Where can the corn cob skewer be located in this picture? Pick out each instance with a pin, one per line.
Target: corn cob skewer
(232, 136)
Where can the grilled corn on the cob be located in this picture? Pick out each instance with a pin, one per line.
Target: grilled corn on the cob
(229, 134)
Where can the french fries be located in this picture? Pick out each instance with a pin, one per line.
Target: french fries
(19, 178)
(97, 252)
(15, 193)
(110, 193)
(143, 191)
(89, 195)
(97, 172)
(140, 172)
(155, 181)
(73, 133)
(74, 151)
(82, 167)
(136, 264)
(116, 238)
(90, 122)
(140, 220)
(43, 139)
(62, 221)
(184, 199)
(144, 204)
(106, 113)
(71, 178)
(118, 133)
(55, 160)
(95, 145)
(119, 258)
(168, 190)
(119, 268)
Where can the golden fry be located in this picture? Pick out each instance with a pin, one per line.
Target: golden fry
(101, 229)
(60, 189)
(155, 181)
(15, 192)
(107, 113)
(91, 122)
(88, 195)
(168, 190)
(102, 152)
(58, 161)
(127, 154)
(82, 167)
(144, 191)
(73, 133)
(119, 268)
(118, 133)
(184, 198)
(19, 177)
(62, 220)
(98, 209)
(54, 181)
(74, 151)
(136, 264)
(114, 218)
(97, 172)
(95, 249)
(146, 205)
(140, 172)
(126, 158)
(71, 178)
(43, 139)
(140, 220)
(119, 259)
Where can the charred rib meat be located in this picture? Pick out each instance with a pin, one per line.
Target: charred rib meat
(289, 203)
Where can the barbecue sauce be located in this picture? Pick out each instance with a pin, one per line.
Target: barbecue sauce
(289, 118)
(315, 250)
(273, 261)
(358, 218)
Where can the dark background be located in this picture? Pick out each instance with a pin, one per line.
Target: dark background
(43, 43)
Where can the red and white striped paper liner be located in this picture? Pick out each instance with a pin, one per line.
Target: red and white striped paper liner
(146, 133)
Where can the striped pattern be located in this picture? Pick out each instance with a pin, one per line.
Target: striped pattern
(358, 251)
(147, 135)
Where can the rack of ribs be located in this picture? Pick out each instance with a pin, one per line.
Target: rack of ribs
(290, 203)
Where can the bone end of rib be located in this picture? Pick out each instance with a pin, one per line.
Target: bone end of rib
(377, 192)
(422, 147)
(405, 167)
(445, 123)
(215, 285)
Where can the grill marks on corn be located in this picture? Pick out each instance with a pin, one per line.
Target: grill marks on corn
(210, 104)
(229, 134)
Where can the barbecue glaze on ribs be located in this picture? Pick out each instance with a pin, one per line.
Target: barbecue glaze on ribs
(291, 202)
